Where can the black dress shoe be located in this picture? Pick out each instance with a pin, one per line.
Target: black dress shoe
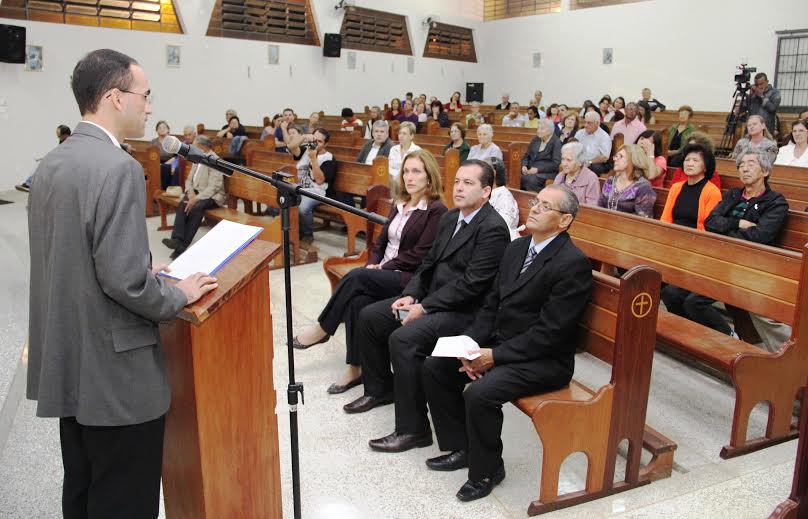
(366, 403)
(335, 389)
(401, 442)
(171, 243)
(296, 344)
(472, 490)
(177, 252)
(453, 461)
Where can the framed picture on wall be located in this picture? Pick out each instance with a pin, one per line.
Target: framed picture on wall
(274, 54)
(33, 58)
(173, 56)
(608, 55)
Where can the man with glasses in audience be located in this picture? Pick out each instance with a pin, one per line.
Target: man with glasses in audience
(526, 333)
(596, 142)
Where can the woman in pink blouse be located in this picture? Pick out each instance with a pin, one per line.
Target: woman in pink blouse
(401, 247)
(651, 143)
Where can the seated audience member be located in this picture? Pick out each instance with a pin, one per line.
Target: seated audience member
(597, 144)
(188, 134)
(704, 140)
(755, 213)
(169, 165)
(228, 114)
(422, 99)
(505, 104)
(526, 331)
(542, 158)
(420, 112)
(653, 104)
(502, 200)
(757, 137)
(630, 126)
(651, 143)
(407, 114)
(568, 127)
(678, 135)
(314, 123)
(605, 107)
(474, 118)
(619, 109)
(552, 113)
(794, 153)
(62, 133)
(628, 191)
(486, 147)
(270, 130)
(439, 301)
(406, 132)
(457, 134)
(316, 171)
(536, 101)
(439, 115)
(574, 173)
(585, 107)
(690, 202)
(379, 145)
(533, 118)
(204, 189)
(233, 129)
(282, 132)
(375, 114)
(514, 117)
(350, 122)
(295, 139)
(397, 253)
(562, 111)
(785, 138)
(394, 110)
(454, 104)
(645, 114)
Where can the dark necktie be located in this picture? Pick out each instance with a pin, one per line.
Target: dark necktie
(531, 255)
(463, 225)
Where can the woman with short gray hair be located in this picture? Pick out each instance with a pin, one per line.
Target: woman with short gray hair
(486, 148)
(542, 158)
(575, 175)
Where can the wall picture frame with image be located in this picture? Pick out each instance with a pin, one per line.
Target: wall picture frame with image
(173, 56)
(608, 55)
(33, 58)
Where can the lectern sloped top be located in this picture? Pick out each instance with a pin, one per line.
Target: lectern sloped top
(231, 277)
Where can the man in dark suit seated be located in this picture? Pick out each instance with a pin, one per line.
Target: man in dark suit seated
(526, 331)
(439, 300)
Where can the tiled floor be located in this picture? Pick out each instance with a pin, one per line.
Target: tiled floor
(342, 478)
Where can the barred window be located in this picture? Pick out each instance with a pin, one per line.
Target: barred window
(289, 21)
(367, 29)
(499, 9)
(791, 72)
(450, 42)
(139, 15)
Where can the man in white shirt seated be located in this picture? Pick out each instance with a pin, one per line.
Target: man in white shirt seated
(506, 102)
(514, 118)
(379, 146)
(597, 144)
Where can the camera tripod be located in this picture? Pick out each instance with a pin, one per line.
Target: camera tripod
(737, 115)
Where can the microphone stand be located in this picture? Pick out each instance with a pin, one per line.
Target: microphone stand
(289, 196)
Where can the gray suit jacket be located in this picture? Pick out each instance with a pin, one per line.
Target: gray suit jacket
(94, 348)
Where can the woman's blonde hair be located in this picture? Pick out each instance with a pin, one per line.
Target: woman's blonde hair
(638, 162)
(434, 182)
(408, 125)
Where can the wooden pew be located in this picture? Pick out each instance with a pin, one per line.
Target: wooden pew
(621, 318)
(796, 506)
(149, 157)
(753, 277)
(726, 167)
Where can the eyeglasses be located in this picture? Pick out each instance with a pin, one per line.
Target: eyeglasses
(148, 96)
(543, 207)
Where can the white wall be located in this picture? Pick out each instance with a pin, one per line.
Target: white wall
(218, 73)
(686, 51)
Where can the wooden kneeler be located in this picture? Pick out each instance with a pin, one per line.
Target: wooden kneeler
(622, 313)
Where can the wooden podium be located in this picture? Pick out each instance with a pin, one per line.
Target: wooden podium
(220, 456)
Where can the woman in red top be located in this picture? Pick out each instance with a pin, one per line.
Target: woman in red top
(394, 110)
(454, 103)
(705, 140)
(651, 143)
(691, 201)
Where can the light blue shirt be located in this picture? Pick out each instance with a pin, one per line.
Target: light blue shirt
(466, 219)
(538, 247)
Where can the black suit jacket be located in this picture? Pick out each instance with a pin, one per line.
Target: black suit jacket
(384, 150)
(533, 316)
(457, 272)
(416, 239)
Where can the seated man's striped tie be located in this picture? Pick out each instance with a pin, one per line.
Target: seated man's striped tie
(531, 255)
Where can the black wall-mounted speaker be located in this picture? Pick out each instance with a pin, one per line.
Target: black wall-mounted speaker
(12, 44)
(474, 92)
(332, 45)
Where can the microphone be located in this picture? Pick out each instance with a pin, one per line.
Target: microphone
(193, 154)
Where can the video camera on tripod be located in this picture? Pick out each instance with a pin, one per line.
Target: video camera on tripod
(740, 108)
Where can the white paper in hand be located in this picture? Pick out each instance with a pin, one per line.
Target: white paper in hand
(456, 347)
(213, 250)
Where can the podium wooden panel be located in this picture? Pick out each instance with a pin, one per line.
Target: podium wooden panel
(220, 456)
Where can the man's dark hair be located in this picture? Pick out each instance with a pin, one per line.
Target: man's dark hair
(408, 94)
(64, 130)
(500, 174)
(533, 109)
(761, 75)
(347, 112)
(707, 155)
(324, 133)
(97, 73)
(486, 171)
(234, 117)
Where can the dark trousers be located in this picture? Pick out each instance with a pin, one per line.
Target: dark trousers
(533, 182)
(471, 420)
(694, 307)
(111, 471)
(384, 342)
(186, 225)
(359, 288)
(167, 178)
(600, 169)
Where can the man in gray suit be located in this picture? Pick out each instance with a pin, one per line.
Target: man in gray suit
(94, 356)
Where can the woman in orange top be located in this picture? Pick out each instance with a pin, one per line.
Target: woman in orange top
(690, 201)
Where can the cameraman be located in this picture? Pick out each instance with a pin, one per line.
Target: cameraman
(764, 100)
(316, 171)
